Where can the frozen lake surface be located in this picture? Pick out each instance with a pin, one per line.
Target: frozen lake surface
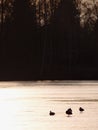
(26, 107)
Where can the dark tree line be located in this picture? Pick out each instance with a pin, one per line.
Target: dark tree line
(44, 40)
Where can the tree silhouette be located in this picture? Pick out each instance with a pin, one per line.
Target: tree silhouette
(1, 17)
(44, 40)
(65, 31)
(20, 40)
(23, 16)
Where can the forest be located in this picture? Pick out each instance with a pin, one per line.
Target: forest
(48, 39)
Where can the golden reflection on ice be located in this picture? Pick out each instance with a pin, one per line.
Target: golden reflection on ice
(16, 108)
(8, 108)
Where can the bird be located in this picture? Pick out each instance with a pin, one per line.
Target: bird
(69, 112)
(51, 113)
(81, 109)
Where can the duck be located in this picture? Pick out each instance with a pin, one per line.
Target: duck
(51, 113)
(81, 109)
(69, 112)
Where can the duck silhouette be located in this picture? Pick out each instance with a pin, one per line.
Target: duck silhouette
(69, 112)
(51, 113)
(81, 109)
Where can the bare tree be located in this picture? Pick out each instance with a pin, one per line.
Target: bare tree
(2, 15)
(88, 13)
